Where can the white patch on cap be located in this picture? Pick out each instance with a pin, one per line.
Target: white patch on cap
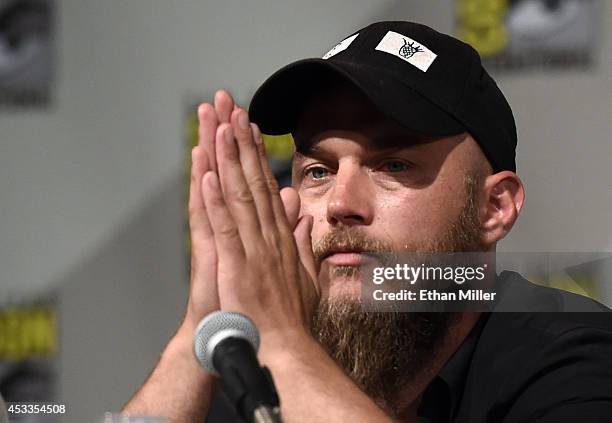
(407, 49)
(341, 46)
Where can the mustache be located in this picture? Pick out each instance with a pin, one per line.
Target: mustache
(348, 238)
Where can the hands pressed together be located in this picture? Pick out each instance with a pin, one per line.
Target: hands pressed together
(250, 252)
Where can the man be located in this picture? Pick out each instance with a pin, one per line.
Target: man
(403, 143)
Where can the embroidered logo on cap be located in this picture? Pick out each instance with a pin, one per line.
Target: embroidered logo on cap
(407, 49)
(341, 46)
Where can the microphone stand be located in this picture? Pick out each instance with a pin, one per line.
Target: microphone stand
(267, 414)
(249, 387)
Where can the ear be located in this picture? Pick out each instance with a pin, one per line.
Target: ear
(504, 196)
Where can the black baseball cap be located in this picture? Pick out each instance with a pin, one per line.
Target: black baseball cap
(427, 81)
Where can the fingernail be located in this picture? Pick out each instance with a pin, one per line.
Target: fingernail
(243, 120)
(229, 137)
(256, 133)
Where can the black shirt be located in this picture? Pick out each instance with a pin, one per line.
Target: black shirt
(547, 366)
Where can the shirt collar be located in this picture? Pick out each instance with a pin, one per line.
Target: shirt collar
(443, 395)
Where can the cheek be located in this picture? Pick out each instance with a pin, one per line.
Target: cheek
(413, 216)
(400, 217)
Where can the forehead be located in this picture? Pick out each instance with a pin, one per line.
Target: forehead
(340, 106)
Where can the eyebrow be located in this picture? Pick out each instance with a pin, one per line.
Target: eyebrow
(304, 152)
(297, 157)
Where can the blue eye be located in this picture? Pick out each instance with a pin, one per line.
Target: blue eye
(316, 172)
(395, 166)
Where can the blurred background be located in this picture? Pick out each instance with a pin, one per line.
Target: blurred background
(97, 107)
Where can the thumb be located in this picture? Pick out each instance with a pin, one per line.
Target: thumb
(291, 202)
(303, 240)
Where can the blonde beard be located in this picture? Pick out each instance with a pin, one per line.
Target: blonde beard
(384, 351)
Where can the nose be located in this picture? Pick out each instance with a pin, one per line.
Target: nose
(351, 198)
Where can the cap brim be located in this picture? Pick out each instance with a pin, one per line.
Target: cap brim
(276, 105)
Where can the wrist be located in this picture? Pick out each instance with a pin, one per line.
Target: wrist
(287, 348)
(180, 351)
(178, 387)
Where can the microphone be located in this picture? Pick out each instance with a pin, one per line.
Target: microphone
(226, 344)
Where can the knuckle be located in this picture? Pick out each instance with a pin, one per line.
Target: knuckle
(216, 202)
(287, 234)
(273, 240)
(241, 196)
(258, 183)
(228, 231)
(273, 186)
(243, 137)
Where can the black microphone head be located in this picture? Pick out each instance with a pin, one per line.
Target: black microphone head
(218, 326)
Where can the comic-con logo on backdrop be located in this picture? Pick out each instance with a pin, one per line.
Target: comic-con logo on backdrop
(26, 52)
(511, 34)
(29, 351)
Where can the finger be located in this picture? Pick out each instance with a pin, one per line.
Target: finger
(198, 220)
(236, 193)
(291, 204)
(277, 203)
(203, 294)
(207, 118)
(225, 231)
(224, 104)
(251, 168)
